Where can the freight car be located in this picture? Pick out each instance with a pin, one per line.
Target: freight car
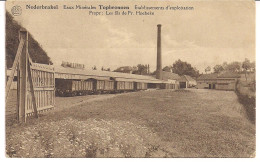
(103, 86)
(71, 88)
(140, 86)
(172, 86)
(167, 86)
(72, 82)
(124, 86)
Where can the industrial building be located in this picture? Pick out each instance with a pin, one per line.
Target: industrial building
(207, 81)
(222, 81)
(73, 79)
(227, 81)
(190, 82)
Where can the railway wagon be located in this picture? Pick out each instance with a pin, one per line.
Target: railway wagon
(140, 86)
(124, 86)
(68, 88)
(167, 86)
(83, 87)
(98, 86)
(109, 86)
(103, 86)
(164, 86)
(173, 86)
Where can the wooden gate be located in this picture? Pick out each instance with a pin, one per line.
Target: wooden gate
(35, 84)
(44, 88)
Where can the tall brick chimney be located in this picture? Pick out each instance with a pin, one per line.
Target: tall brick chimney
(159, 53)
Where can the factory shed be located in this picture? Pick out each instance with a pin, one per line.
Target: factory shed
(183, 82)
(227, 81)
(190, 81)
(171, 78)
(84, 74)
(207, 81)
(125, 69)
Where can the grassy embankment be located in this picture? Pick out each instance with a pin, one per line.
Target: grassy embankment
(246, 90)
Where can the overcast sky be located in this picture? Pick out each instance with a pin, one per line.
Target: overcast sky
(210, 34)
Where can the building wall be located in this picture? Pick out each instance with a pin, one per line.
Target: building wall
(191, 83)
(177, 85)
(204, 84)
(220, 84)
(226, 84)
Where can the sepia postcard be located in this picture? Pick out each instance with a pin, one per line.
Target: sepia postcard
(130, 79)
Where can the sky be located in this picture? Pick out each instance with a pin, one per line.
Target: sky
(210, 34)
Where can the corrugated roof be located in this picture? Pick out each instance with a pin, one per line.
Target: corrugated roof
(169, 75)
(189, 78)
(208, 76)
(86, 72)
(229, 75)
(169, 82)
(222, 75)
(183, 79)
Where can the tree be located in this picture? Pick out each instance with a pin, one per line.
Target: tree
(94, 68)
(184, 68)
(141, 69)
(252, 66)
(207, 69)
(153, 73)
(233, 67)
(167, 68)
(218, 68)
(246, 65)
(224, 65)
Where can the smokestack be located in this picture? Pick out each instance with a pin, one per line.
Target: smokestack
(159, 53)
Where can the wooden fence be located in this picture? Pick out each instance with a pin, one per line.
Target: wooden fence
(44, 88)
(35, 82)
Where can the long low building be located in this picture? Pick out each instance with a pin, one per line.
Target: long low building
(169, 81)
(207, 81)
(223, 81)
(227, 81)
(83, 74)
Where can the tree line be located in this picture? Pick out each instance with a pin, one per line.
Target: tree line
(182, 68)
(245, 66)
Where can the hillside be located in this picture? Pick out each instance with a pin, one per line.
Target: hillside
(35, 50)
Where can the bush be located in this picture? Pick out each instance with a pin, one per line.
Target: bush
(249, 104)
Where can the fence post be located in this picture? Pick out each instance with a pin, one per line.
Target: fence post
(23, 74)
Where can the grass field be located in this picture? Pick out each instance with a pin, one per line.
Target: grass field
(161, 123)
